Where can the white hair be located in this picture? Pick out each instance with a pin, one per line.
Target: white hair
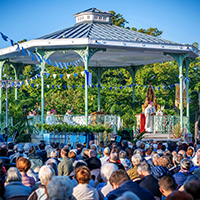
(46, 173)
(128, 196)
(138, 143)
(48, 149)
(92, 153)
(138, 151)
(122, 154)
(54, 154)
(27, 146)
(136, 159)
(78, 161)
(60, 187)
(147, 146)
(155, 146)
(107, 170)
(13, 174)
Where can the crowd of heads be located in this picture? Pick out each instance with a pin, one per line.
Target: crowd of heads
(144, 170)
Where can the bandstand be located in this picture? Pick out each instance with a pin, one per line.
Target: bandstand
(104, 46)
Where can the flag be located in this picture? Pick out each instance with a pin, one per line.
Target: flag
(54, 76)
(4, 37)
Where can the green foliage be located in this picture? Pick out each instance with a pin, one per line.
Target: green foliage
(117, 19)
(151, 31)
(24, 130)
(64, 127)
(139, 137)
(130, 131)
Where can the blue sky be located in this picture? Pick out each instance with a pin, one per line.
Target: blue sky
(24, 19)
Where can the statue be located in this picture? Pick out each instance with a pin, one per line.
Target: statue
(150, 96)
(150, 111)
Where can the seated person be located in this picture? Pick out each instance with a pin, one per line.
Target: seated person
(14, 187)
(60, 187)
(83, 190)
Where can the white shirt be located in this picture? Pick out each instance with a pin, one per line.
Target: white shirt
(85, 192)
(104, 160)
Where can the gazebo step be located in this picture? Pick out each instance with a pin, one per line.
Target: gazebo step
(158, 137)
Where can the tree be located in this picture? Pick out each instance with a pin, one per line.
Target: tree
(118, 20)
(151, 31)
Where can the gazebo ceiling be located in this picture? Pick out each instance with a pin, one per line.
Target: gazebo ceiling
(121, 47)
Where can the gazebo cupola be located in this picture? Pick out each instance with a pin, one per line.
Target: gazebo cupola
(93, 15)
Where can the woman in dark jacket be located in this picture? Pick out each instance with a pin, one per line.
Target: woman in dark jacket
(14, 187)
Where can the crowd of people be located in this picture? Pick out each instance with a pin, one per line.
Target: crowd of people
(125, 171)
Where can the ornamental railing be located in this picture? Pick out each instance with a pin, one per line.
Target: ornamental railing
(112, 120)
(167, 123)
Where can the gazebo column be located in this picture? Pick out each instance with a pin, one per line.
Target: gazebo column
(16, 78)
(99, 89)
(179, 58)
(42, 94)
(86, 63)
(43, 55)
(86, 55)
(1, 76)
(187, 63)
(132, 70)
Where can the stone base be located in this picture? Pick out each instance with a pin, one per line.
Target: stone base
(158, 137)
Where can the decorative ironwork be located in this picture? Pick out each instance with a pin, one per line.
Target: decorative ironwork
(162, 123)
(111, 120)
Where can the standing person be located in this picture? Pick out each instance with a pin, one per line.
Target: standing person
(48, 119)
(65, 167)
(150, 111)
(106, 153)
(69, 112)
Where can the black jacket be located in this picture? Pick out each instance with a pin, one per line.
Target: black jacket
(93, 163)
(151, 184)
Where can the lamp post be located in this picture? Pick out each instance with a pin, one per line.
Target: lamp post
(8, 84)
(190, 100)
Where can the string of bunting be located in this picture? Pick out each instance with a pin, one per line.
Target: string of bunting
(36, 57)
(27, 82)
(31, 80)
